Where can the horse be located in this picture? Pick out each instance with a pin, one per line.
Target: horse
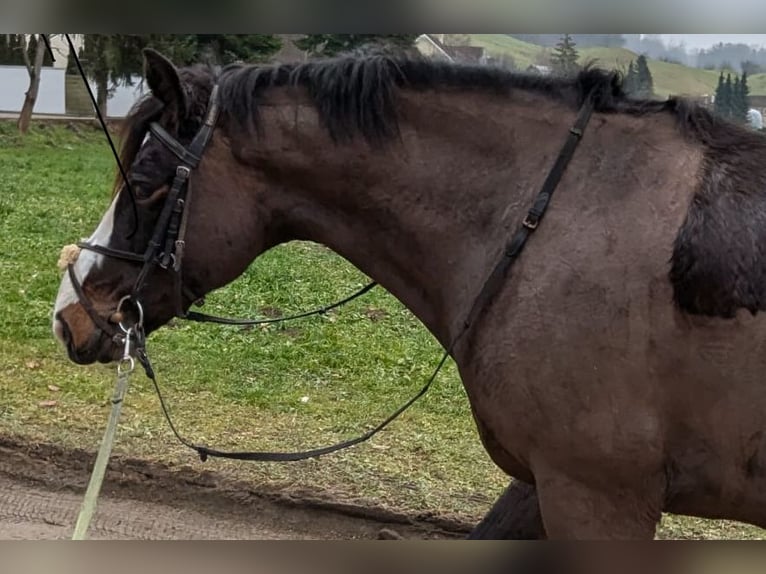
(613, 370)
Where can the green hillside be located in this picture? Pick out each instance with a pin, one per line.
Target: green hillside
(757, 84)
(523, 53)
(668, 78)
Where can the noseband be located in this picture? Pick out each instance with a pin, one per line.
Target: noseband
(166, 247)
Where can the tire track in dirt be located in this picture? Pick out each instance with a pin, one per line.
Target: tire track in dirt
(41, 489)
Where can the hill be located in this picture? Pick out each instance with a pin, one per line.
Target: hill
(669, 78)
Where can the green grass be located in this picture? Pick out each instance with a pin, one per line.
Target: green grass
(302, 385)
(669, 78)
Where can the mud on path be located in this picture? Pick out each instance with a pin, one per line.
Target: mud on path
(42, 485)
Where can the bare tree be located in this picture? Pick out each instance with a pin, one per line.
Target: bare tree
(34, 68)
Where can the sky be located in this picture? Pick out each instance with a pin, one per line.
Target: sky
(707, 40)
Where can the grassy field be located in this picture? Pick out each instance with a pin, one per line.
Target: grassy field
(302, 385)
(668, 78)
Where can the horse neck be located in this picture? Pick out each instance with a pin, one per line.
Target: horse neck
(428, 214)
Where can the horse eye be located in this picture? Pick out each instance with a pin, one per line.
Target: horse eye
(141, 186)
(140, 190)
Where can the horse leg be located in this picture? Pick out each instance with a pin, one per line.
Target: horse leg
(573, 510)
(514, 516)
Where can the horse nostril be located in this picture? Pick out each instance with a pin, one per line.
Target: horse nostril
(61, 330)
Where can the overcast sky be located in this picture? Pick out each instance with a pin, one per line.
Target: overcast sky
(707, 40)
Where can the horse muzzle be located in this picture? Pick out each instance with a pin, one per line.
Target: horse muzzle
(85, 343)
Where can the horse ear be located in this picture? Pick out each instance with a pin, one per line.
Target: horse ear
(164, 81)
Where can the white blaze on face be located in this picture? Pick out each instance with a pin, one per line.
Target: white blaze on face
(86, 262)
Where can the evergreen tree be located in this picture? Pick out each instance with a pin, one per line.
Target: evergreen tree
(738, 114)
(4, 56)
(229, 48)
(744, 99)
(644, 80)
(719, 104)
(114, 59)
(629, 83)
(565, 56)
(15, 47)
(728, 97)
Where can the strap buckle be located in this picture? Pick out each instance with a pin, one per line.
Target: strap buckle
(531, 221)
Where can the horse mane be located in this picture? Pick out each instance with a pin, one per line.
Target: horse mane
(356, 95)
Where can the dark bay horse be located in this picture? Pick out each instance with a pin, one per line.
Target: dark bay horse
(618, 371)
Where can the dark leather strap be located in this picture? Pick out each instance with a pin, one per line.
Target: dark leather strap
(532, 220)
(118, 253)
(203, 318)
(100, 322)
(192, 155)
(187, 157)
(267, 456)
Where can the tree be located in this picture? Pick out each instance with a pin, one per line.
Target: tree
(749, 67)
(4, 53)
(720, 103)
(334, 44)
(738, 99)
(111, 60)
(97, 59)
(728, 96)
(34, 64)
(731, 98)
(32, 50)
(644, 80)
(630, 83)
(11, 50)
(743, 97)
(71, 64)
(565, 56)
(738, 114)
(229, 48)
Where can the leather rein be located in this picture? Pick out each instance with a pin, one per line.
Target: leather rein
(166, 250)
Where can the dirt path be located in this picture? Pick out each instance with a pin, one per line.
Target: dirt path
(28, 513)
(41, 488)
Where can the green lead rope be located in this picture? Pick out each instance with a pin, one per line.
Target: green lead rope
(124, 369)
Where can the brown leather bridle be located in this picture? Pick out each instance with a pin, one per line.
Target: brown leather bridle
(166, 246)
